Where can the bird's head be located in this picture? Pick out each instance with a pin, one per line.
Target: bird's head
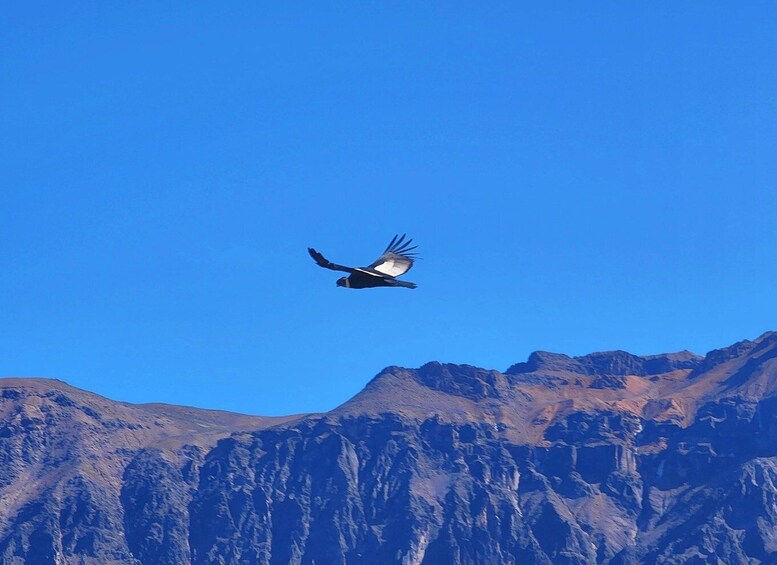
(343, 281)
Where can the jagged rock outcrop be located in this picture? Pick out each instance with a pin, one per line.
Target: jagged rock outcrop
(84, 479)
(609, 363)
(605, 458)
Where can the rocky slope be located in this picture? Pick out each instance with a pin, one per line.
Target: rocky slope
(605, 458)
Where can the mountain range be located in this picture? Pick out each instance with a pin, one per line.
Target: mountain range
(603, 458)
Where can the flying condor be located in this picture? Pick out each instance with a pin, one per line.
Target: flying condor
(395, 261)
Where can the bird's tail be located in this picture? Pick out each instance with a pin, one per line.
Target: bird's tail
(405, 284)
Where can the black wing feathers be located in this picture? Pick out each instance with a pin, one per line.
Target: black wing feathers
(401, 248)
(323, 262)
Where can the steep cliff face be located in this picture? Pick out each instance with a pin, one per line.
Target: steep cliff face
(72, 462)
(606, 458)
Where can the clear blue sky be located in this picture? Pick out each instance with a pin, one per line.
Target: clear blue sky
(579, 178)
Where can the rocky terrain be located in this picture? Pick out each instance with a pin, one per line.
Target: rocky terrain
(604, 458)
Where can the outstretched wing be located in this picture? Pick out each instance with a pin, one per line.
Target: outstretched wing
(323, 262)
(397, 259)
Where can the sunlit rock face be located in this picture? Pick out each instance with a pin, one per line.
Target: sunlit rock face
(605, 458)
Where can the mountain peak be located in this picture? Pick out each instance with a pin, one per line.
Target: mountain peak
(619, 363)
(770, 334)
(530, 395)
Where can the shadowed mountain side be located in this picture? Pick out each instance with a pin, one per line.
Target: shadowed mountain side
(604, 458)
(64, 455)
(607, 363)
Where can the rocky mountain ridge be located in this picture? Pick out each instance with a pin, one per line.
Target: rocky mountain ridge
(603, 458)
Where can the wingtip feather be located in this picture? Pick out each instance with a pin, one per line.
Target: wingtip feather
(391, 243)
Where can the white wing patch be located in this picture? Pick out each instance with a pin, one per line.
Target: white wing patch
(366, 272)
(394, 266)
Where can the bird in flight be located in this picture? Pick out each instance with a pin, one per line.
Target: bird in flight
(395, 261)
